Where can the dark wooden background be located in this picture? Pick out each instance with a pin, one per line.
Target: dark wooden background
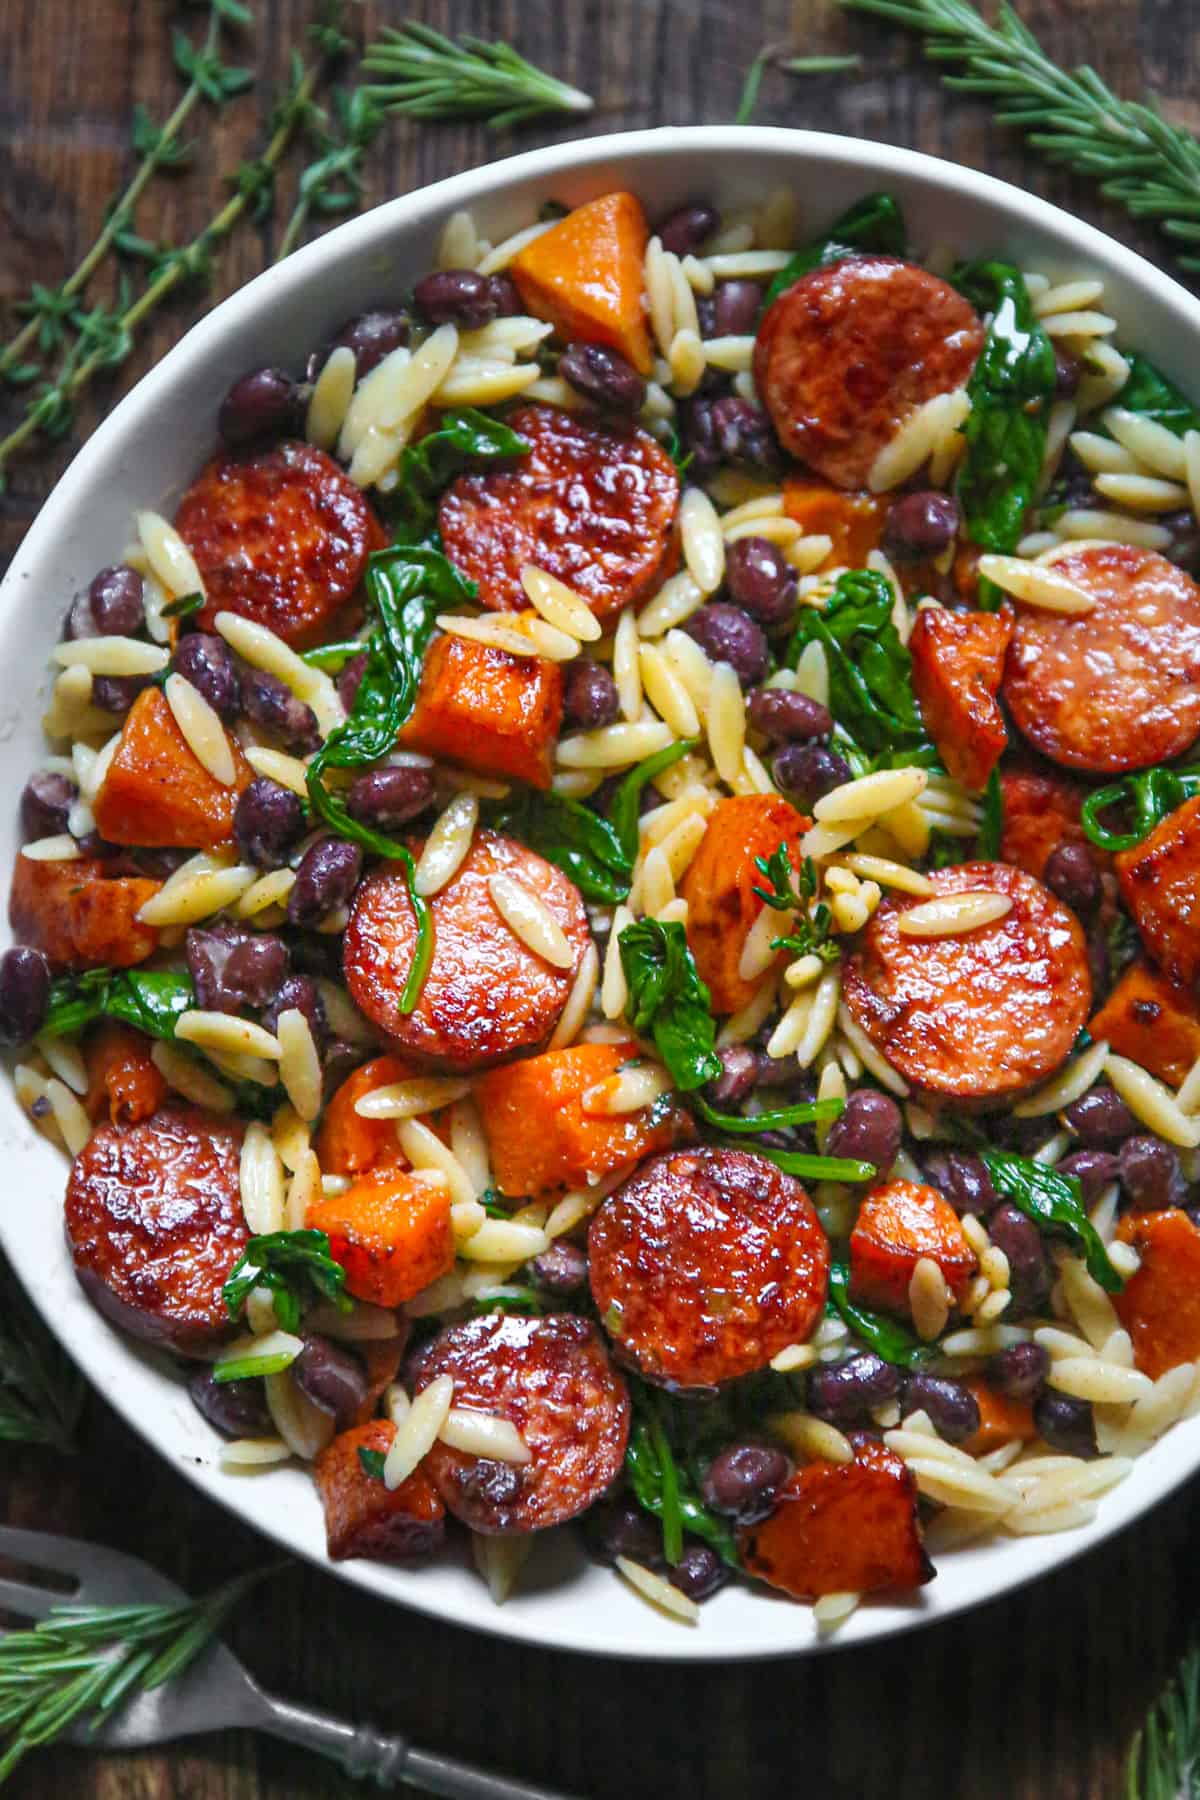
(1032, 1696)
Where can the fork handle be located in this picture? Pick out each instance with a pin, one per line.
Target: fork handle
(389, 1761)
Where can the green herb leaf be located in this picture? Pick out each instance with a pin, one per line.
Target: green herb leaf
(215, 79)
(807, 1167)
(1164, 1757)
(624, 811)
(429, 76)
(41, 1390)
(776, 1118)
(793, 891)
(297, 1268)
(463, 440)
(372, 1462)
(668, 1001)
(991, 822)
(184, 607)
(873, 223)
(333, 657)
(870, 670)
(1146, 797)
(1011, 389)
(662, 1486)
(1054, 1202)
(894, 1342)
(1148, 393)
(151, 999)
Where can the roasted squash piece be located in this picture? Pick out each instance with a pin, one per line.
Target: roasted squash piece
(346, 1142)
(124, 1086)
(719, 887)
(79, 916)
(855, 522)
(1151, 1021)
(957, 663)
(1160, 1305)
(1160, 884)
(362, 1516)
(897, 1225)
(1040, 812)
(391, 1233)
(1000, 1419)
(157, 792)
(488, 710)
(585, 276)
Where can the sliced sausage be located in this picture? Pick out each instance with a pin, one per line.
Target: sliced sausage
(983, 1014)
(552, 1379)
(706, 1264)
(1119, 687)
(281, 536)
(154, 1221)
(486, 996)
(1160, 884)
(848, 351)
(592, 503)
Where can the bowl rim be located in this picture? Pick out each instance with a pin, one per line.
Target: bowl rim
(376, 229)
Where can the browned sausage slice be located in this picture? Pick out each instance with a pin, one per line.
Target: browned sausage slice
(706, 1264)
(282, 536)
(154, 1221)
(983, 1014)
(486, 996)
(1117, 688)
(553, 1380)
(592, 503)
(847, 352)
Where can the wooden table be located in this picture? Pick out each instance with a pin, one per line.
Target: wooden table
(1034, 1695)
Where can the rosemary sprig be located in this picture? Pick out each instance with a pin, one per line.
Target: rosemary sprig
(1164, 1758)
(83, 1662)
(160, 147)
(429, 76)
(775, 56)
(332, 183)
(41, 1390)
(1145, 164)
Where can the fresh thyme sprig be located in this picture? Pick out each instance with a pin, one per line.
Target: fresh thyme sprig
(41, 1390)
(160, 147)
(332, 183)
(1145, 164)
(429, 76)
(83, 1662)
(1164, 1758)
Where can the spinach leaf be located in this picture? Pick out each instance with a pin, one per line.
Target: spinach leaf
(668, 1001)
(184, 607)
(623, 813)
(807, 1167)
(1054, 1202)
(870, 670)
(1147, 797)
(663, 1487)
(1149, 393)
(462, 440)
(151, 999)
(793, 891)
(297, 1268)
(372, 1462)
(777, 1118)
(333, 657)
(894, 1342)
(873, 223)
(1011, 389)
(991, 823)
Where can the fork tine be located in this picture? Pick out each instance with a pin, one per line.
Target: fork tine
(45, 1550)
(27, 1601)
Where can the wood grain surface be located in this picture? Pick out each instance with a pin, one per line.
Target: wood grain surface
(1030, 1698)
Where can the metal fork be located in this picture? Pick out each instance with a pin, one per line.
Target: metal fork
(216, 1693)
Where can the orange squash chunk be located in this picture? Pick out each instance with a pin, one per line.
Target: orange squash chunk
(897, 1225)
(1040, 812)
(157, 792)
(365, 1518)
(854, 521)
(492, 712)
(1160, 1305)
(1000, 1420)
(1152, 1022)
(842, 1528)
(80, 917)
(347, 1143)
(390, 1232)
(585, 276)
(719, 887)
(957, 663)
(539, 1136)
(124, 1086)
(1160, 884)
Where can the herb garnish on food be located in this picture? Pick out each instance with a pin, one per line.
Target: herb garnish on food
(870, 670)
(1145, 798)
(296, 1267)
(889, 1339)
(1055, 1204)
(792, 891)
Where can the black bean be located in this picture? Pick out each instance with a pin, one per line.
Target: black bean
(46, 799)
(338, 1060)
(232, 968)
(390, 797)
(258, 966)
(505, 296)
(267, 821)
(683, 232)
(1066, 1424)
(208, 663)
(263, 404)
(735, 307)
(236, 1409)
(297, 994)
(951, 1407)
(1019, 1371)
(1067, 371)
(742, 433)
(806, 771)
(1029, 1266)
(869, 1130)
(962, 1178)
(455, 297)
(602, 376)
(333, 1378)
(24, 994)
(1100, 1118)
(619, 1528)
(562, 1269)
(738, 1077)
(117, 693)
(349, 679)
(784, 717)
(1025, 1135)
(1071, 873)
(269, 702)
(699, 1571)
(1184, 548)
(1150, 1173)
(921, 524)
(372, 336)
(326, 878)
(590, 695)
(1092, 1169)
(743, 1480)
(760, 581)
(727, 634)
(117, 599)
(496, 1483)
(847, 1391)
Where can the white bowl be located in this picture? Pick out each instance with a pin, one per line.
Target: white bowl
(147, 451)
